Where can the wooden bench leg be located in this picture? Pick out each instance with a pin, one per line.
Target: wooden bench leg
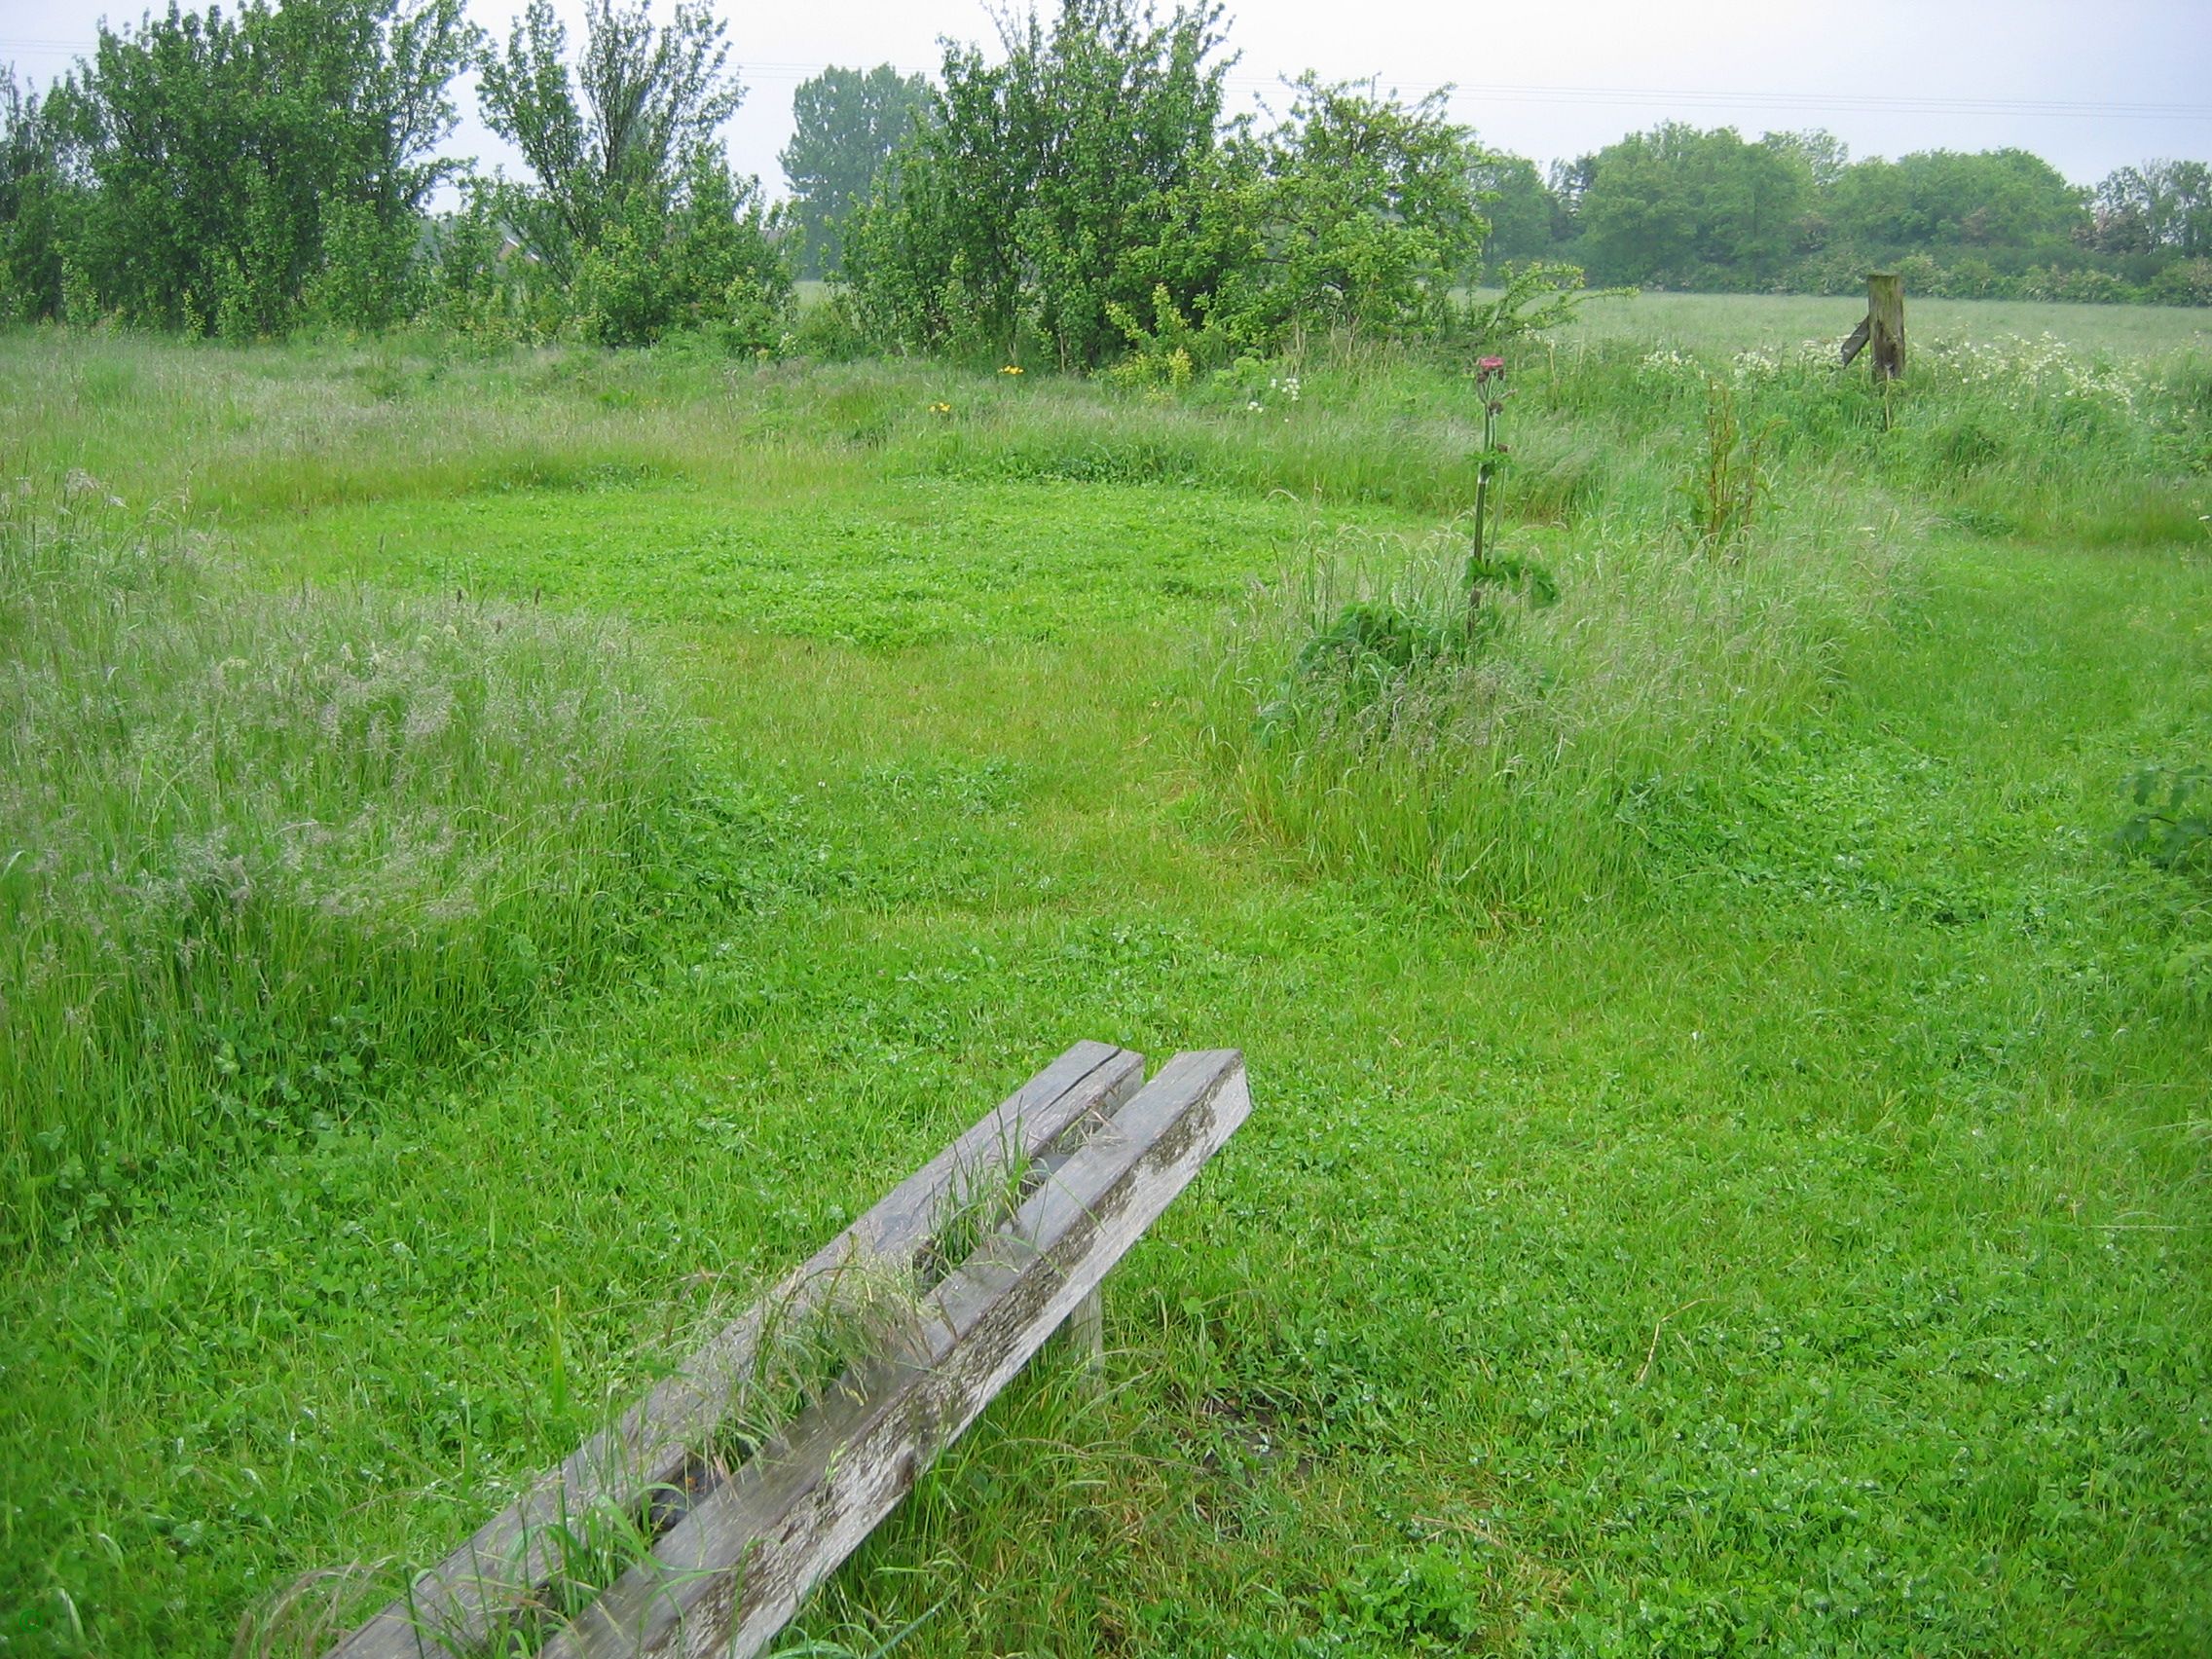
(1086, 1341)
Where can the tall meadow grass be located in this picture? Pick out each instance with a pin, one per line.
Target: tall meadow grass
(1525, 774)
(1518, 777)
(2008, 436)
(256, 848)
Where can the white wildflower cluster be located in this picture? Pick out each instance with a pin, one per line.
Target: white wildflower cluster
(1761, 366)
(2023, 372)
(1754, 365)
(1283, 388)
(1667, 366)
(2043, 376)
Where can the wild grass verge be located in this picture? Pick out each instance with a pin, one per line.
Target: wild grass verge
(256, 849)
(2031, 439)
(2008, 436)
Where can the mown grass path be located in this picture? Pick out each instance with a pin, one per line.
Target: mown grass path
(1808, 1251)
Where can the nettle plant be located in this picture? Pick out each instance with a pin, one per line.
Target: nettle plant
(2171, 828)
(1728, 480)
(1370, 648)
(2171, 825)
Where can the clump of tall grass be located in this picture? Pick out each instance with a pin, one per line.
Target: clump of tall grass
(1517, 777)
(2010, 437)
(257, 848)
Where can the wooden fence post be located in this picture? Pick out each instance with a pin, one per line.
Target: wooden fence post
(1885, 322)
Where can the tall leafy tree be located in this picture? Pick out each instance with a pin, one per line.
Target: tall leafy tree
(1993, 201)
(2156, 207)
(231, 160)
(1672, 203)
(639, 105)
(1517, 204)
(847, 122)
(1367, 209)
(1826, 156)
(1028, 194)
(36, 200)
(1085, 191)
(1570, 182)
(634, 214)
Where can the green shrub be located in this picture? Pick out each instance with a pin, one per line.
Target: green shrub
(2184, 283)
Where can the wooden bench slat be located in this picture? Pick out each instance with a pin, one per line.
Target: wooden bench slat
(729, 1576)
(508, 1563)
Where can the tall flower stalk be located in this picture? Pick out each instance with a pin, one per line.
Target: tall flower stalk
(1490, 381)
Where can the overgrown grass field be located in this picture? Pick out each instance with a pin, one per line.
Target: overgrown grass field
(502, 855)
(1738, 321)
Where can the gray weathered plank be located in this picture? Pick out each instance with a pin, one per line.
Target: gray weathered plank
(649, 1453)
(729, 1576)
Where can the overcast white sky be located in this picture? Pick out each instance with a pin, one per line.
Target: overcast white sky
(2089, 87)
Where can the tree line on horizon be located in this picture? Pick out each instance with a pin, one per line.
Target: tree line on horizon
(1081, 195)
(1792, 212)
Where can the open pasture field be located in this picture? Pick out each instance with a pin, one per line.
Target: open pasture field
(1728, 1171)
(1734, 323)
(1737, 321)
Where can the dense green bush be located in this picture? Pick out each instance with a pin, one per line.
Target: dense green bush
(1023, 204)
(292, 187)
(1074, 198)
(295, 160)
(705, 264)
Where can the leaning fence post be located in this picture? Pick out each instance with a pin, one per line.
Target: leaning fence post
(1882, 328)
(1884, 320)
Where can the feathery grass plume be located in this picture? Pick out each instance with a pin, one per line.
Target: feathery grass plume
(257, 848)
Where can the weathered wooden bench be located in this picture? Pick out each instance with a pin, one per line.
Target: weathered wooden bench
(726, 1519)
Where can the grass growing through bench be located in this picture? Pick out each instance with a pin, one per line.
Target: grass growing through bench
(1806, 1247)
